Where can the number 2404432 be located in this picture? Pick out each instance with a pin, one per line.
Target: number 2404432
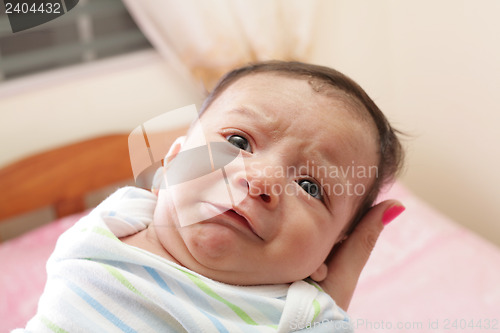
(25, 8)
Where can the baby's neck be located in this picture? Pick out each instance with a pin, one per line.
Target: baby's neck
(146, 239)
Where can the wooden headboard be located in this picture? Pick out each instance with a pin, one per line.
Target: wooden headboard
(62, 177)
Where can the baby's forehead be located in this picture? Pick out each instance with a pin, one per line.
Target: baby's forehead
(334, 105)
(319, 86)
(252, 86)
(340, 97)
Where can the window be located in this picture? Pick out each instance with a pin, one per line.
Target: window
(94, 29)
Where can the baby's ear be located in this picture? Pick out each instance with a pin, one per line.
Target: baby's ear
(320, 273)
(175, 148)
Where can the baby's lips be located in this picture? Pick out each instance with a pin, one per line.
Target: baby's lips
(248, 219)
(392, 212)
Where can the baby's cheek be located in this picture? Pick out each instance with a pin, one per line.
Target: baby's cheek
(314, 247)
(299, 254)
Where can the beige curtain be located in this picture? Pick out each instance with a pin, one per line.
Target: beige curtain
(202, 39)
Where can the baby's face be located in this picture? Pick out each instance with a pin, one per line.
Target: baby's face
(296, 186)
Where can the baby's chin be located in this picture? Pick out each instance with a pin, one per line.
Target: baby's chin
(218, 259)
(210, 242)
(213, 251)
(225, 254)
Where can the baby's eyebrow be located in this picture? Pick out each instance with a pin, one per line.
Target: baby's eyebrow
(328, 168)
(259, 116)
(245, 111)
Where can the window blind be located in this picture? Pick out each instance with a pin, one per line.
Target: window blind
(94, 29)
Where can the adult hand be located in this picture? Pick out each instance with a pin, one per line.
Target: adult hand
(349, 259)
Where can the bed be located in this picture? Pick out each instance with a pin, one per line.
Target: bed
(427, 274)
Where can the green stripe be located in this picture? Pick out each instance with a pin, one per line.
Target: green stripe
(122, 279)
(104, 232)
(317, 309)
(53, 327)
(207, 290)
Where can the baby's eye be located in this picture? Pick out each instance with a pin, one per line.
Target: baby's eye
(240, 142)
(311, 188)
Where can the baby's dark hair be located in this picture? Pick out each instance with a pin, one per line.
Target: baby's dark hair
(390, 154)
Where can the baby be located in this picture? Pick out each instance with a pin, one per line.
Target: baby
(243, 248)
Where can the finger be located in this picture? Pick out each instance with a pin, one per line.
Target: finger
(350, 258)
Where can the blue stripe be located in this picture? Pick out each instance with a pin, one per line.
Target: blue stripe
(158, 279)
(174, 305)
(100, 308)
(84, 323)
(220, 327)
(202, 303)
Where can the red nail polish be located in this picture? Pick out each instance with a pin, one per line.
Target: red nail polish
(391, 213)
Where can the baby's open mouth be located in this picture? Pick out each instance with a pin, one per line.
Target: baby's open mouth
(241, 219)
(236, 217)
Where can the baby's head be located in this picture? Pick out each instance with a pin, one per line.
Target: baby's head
(314, 151)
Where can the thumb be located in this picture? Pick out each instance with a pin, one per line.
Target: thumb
(349, 259)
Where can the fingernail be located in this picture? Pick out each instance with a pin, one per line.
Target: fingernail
(391, 213)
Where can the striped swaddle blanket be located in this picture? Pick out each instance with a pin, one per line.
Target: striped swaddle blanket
(96, 283)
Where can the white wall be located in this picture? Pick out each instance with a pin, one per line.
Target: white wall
(434, 68)
(115, 95)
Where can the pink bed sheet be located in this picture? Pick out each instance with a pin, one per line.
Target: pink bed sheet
(426, 274)
(22, 277)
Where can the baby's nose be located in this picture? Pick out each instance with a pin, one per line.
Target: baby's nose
(254, 190)
(258, 184)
